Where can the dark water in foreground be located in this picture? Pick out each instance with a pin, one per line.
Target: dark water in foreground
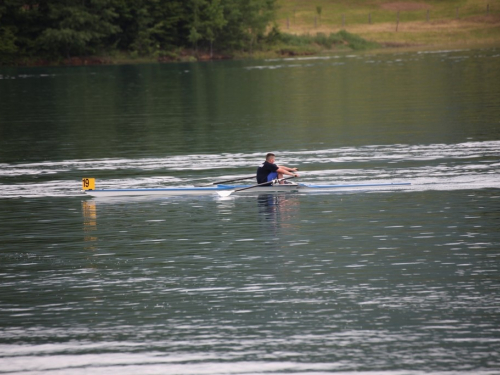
(381, 282)
(351, 282)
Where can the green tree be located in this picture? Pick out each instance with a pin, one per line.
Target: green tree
(8, 31)
(77, 26)
(247, 21)
(150, 26)
(214, 22)
(194, 28)
(258, 15)
(207, 22)
(20, 25)
(8, 47)
(56, 28)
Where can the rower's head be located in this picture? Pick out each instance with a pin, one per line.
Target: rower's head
(270, 157)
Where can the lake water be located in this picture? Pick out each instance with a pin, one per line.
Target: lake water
(385, 281)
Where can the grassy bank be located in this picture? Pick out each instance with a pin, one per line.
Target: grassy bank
(396, 23)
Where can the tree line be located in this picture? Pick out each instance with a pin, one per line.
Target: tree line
(61, 29)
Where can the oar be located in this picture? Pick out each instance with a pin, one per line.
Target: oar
(227, 193)
(235, 179)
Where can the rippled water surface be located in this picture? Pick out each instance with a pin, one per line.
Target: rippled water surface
(378, 281)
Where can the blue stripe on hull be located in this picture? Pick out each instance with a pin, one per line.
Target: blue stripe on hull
(355, 185)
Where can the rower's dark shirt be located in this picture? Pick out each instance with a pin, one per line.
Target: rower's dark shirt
(263, 171)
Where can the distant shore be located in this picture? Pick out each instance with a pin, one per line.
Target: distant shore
(187, 56)
(384, 47)
(325, 27)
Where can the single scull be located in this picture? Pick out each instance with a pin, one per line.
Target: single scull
(89, 189)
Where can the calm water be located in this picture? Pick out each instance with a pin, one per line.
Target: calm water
(379, 281)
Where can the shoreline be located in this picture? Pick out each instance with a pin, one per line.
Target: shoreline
(388, 47)
(275, 52)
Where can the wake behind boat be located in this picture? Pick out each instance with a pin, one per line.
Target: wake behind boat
(88, 187)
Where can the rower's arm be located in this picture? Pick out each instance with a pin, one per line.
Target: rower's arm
(288, 171)
(288, 168)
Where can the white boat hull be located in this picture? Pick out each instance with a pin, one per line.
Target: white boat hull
(214, 190)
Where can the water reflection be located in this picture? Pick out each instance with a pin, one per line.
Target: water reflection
(89, 212)
(278, 210)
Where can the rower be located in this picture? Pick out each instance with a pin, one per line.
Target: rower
(269, 171)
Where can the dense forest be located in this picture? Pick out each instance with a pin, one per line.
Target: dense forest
(55, 30)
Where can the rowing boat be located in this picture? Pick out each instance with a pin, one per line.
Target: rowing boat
(237, 189)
